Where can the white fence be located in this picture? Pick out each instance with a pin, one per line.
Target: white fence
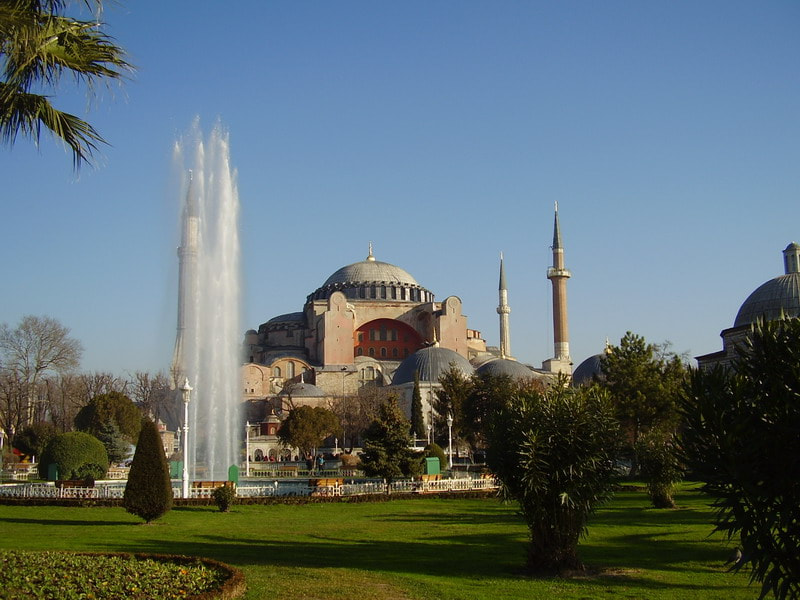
(245, 489)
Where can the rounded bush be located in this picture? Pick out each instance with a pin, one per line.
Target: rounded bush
(77, 455)
(435, 449)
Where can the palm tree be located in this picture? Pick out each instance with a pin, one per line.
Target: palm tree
(38, 46)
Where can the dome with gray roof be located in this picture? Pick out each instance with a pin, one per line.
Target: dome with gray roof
(777, 297)
(505, 366)
(370, 280)
(431, 363)
(302, 390)
(589, 370)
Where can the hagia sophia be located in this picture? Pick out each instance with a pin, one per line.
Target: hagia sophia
(371, 324)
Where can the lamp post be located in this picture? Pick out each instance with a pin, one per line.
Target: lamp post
(186, 393)
(450, 441)
(343, 370)
(247, 449)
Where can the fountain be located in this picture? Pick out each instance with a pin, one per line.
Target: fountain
(208, 344)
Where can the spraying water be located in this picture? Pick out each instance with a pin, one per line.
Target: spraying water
(208, 346)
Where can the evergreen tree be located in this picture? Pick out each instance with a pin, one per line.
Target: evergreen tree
(387, 452)
(113, 407)
(417, 418)
(148, 493)
(117, 446)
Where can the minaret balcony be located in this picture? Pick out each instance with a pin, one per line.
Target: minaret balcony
(552, 273)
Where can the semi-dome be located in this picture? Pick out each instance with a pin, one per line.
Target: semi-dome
(431, 363)
(777, 297)
(505, 366)
(371, 280)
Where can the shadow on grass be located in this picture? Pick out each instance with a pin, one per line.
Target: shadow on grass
(66, 522)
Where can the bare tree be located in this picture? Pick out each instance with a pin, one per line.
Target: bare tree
(100, 382)
(37, 347)
(152, 393)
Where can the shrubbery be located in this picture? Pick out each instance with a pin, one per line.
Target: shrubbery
(224, 497)
(659, 466)
(148, 493)
(77, 455)
(435, 449)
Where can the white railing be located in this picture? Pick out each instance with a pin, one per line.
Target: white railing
(115, 489)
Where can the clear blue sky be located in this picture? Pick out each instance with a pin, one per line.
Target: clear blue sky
(442, 131)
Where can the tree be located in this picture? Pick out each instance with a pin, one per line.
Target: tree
(77, 455)
(117, 447)
(38, 346)
(553, 453)
(741, 437)
(417, 418)
(450, 398)
(644, 381)
(307, 427)
(152, 395)
(39, 45)
(115, 408)
(148, 493)
(33, 439)
(659, 466)
(387, 451)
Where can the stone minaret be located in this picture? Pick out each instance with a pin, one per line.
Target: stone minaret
(187, 282)
(558, 275)
(503, 310)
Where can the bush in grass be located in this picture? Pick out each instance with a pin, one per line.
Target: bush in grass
(386, 446)
(349, 461)
(148, 493)
(740, 437)
(77, 455)
(659, 466)
(224, 497)
(435, 449)
(553, 453)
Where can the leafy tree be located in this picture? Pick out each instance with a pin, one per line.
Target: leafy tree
(484, 394)
(113, 407)
(644, 381)
(117, 447)
(307, 427)
(33, 439)
(38, 346)
(659, 466)
(741, 437)
(387, 451)
(38, 46)
(417, 418)
(77, 455)
(450, 398)
(148, 493)
(553, 453)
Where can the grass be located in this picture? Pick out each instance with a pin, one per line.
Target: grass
(414, 549)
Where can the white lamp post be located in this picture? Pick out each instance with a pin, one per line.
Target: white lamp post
(450, 440)
(247, 449)
(186, 392)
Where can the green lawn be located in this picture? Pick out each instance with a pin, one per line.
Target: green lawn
(428, 548)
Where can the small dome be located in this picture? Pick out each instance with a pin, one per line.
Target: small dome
(295, 317)
(302, 390)
(588, 370)
(775, 298)
(504, 366)
(431, 363)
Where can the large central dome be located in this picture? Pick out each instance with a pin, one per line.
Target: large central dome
(371, 280)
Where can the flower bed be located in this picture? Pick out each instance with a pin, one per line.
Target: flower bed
(68, 576)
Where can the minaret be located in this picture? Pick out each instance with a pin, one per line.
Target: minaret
(558, 275)
(187, 281)
(503, 310)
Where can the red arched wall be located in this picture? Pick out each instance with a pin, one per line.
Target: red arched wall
(386, 339)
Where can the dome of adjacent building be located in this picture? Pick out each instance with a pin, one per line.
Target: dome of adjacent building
(504, 366)
(589, 370)
(302, 390)
(371, 279)
(777, 297)
(431, 363)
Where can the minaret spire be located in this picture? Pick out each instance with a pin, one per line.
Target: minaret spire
(187, 280)
(503, 309)
(558, 275)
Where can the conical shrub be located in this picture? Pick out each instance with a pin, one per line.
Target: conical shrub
(148, 493)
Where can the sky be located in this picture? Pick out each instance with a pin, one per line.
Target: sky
(443, 132)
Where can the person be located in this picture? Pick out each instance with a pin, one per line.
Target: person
(320, 462)
(309, 463)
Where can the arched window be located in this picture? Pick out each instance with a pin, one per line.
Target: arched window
(359, 351)
(394, 352)
(290, 369)
(383, 352)
(259, 455)
(372, 351)
(276, 372)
